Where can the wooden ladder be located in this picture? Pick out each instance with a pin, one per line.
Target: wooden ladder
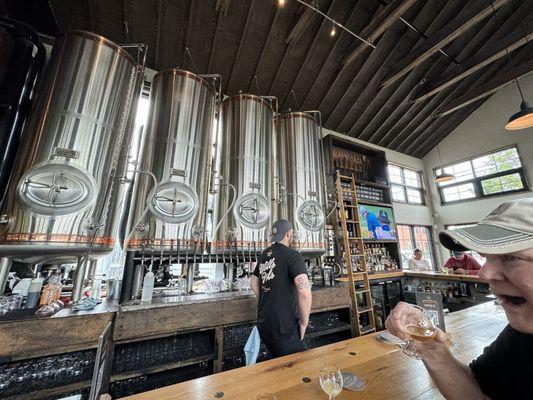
(353, 248)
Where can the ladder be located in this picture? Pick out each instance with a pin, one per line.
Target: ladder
(353, 250)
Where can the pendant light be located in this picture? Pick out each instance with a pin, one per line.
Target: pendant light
(442, 176)
(523, 118)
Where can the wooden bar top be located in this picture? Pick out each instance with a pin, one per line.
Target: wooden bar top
(388, 373)
(443, 277)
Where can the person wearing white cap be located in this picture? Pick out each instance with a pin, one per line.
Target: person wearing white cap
(281, 283)
(504, 370)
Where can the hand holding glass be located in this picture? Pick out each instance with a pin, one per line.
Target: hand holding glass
(417, 325)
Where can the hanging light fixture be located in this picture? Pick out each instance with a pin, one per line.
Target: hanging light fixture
(333, 31)
(523, 118)
(442, 176)
(281, 3)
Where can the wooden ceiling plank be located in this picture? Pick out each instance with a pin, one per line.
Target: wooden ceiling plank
(444, 130)
(159, 33)
(427, 128)
(410, 138)
(364, 112)
(487, 89)
(479, 11)
(438, 129)
(418, 116)
(495, 52)
(251, 8)
(267, 40)
(217, 30)
(335, 53)
(372, 32)
(363, 78)
(320, 32)
(301, 25)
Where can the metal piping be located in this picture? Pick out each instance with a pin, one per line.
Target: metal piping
(336, 23)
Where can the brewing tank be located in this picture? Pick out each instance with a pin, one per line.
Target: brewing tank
(22, 57)
(58, 201)
(170, 215)
(244, 162)
(301, 180)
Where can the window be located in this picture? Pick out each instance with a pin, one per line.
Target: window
(413, 237)
(406, 185)
(474, 254)
(483, 176)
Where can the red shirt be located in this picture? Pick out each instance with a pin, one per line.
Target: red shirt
(467, 263)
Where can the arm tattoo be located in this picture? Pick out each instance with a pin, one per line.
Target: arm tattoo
(302, 283)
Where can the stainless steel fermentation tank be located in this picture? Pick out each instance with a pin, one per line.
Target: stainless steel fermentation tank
(58, 202)
(171, 214)
(245, 162)
(301, 180)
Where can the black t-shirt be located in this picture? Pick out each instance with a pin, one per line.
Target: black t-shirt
(505, 369)
(276, 269)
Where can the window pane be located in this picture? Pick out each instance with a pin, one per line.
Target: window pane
(412, 178)
(491, 186)
(484, 165)
(462, 171)
(406, 244)
(395, 174)
(507, 159)
(423, 242)
(398, 193)
(414, 196)
(459, 192)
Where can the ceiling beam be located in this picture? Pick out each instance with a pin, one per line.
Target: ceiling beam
(301, 25)
(487, 89)
(374, 112)
(159, 32)
(334, 54)
(221, 15)
(412, 119)
(265, 44)
(379, 24)
(478, 12)
(251, 8)
(495, 52)
(322, 31)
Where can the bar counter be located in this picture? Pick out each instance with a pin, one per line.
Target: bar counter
(388, 373)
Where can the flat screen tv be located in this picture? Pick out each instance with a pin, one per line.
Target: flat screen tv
(377, 222)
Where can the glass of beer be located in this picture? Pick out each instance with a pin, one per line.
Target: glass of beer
(417, 325)
(331, 381)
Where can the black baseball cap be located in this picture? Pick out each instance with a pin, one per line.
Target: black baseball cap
(280, 229)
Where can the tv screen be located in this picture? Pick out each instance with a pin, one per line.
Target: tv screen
(377, 222)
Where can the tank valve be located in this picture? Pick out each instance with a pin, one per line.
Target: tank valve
(4, 219)
(93, 226)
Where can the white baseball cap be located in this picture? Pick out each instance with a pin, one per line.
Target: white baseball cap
(507, 229)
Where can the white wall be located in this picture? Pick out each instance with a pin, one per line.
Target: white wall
(403, 213)
(482, 132)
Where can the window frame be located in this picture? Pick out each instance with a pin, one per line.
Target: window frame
(405, 187)
(414, 244)
(477, 181)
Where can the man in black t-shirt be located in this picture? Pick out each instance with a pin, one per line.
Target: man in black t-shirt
(505, 369)
(281, 283)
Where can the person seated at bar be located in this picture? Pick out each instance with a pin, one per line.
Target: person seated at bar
(417, 263)
(503, 371)
(281, 283)
(462, 263)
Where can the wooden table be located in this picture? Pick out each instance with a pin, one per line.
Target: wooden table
(388, 373)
